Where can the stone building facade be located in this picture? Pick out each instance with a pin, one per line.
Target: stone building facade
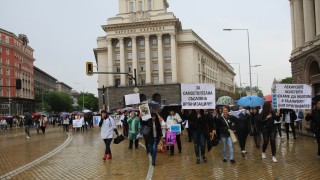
(305, 56)
(146, 38)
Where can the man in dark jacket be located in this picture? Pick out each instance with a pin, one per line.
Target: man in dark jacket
(27, 123)
(314, 117)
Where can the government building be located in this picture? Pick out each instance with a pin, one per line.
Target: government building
(147, 39)
(305, 55)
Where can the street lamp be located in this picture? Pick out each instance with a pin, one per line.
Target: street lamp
(248, 52)
(82, 94)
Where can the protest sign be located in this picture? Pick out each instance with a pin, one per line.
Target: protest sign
(77, 123)
(132, 99)
(96, 120)
(171, 138)
(145, 112)
(175, 128)
(293, 96)
(198, 96)
(274, 101)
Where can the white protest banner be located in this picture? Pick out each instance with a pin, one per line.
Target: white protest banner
(145, 112)
(132, 99)
(77, 123)
(293, 96)
(198, 96)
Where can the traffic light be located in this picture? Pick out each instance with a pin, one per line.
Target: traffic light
(18, 83)
(89, 68)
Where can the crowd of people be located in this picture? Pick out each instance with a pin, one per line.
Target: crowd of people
(259, 122)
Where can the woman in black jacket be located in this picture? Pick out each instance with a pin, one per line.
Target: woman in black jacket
(154, 136)
(268, 129)
(242, 129)
(314, 117)
(200, 133)
(256, 122)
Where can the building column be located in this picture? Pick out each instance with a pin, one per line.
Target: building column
(317, 15)
(299, 22)
(294, 46)
(309, 20)
(173, 58)
(135, 56)
(160, 59)
(110, 63)
(122, 63)
(147, 59)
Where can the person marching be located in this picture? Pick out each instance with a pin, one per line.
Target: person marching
(154, 136)
(289, 116)
(43, 123)
(172, 119)
(134, 129)
(268, 129)
(314, 117)
(225, 123)
(200, 133)
(256, 122)
(124, 120)
(242, 128)
(107, 126)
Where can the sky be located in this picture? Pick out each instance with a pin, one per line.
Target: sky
(64, 33)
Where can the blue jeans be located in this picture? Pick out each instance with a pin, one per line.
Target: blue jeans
(199, 143)
(107, 142)
(226, 140)
(153, 148)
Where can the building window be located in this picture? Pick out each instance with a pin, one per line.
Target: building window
(130, 82)
(129, 43)
(140, 5)
(143, 81)
(117, 44)
(167, 53)
(168, 65)
(142, 67)
(149, 5)
(154, 41)
(154, 53)
(7, 62)
(130, 68)
(0, 50)
(155, 67)
(129, 55)
(0, 71)
(7, 39)
(166, 39)
(141, 42)
(8, 71)
(7, 51)
(131, 7)
(155, 80)
(168, 79)
(142, 55)
(117, 82)
(118, 69)
(118, 56)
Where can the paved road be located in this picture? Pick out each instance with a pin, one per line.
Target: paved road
(78, 155)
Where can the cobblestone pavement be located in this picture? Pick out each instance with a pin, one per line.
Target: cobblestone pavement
(78, 155)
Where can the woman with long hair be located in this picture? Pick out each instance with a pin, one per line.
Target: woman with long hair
(268, 129)
(154, 136)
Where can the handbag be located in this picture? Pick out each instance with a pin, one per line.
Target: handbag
(232, 135)
(146, 131)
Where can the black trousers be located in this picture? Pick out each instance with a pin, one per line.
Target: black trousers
(318, 141)
(242, 136)
(107, 142)
(136, 143)
(278, 129)
(178, 143)
(268, 134)
(43, 129)
(292, 129)
(190, 135)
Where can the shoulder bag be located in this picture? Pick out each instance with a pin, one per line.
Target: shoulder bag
(232, 135)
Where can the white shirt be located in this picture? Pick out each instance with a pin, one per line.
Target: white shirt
(171, 121)
(287, 118)
(107, 128)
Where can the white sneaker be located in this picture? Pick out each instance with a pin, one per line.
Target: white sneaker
(264, 156)
(274, 159)
(28, 137)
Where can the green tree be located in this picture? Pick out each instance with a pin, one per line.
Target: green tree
(59, 101)
(90, 101)
(287, 80)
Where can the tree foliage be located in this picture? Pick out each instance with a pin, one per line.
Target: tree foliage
(53, 101)
(90, 101)
(287, 80)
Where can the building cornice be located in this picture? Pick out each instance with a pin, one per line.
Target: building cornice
(304, 53)
(143, 24)
(17, 49)
(307, 48)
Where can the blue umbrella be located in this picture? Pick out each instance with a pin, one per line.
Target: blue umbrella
(250, 101)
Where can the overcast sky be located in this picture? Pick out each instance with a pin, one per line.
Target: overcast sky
(63, 34)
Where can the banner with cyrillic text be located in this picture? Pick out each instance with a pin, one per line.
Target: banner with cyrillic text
(293, 96)
(198, 96)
